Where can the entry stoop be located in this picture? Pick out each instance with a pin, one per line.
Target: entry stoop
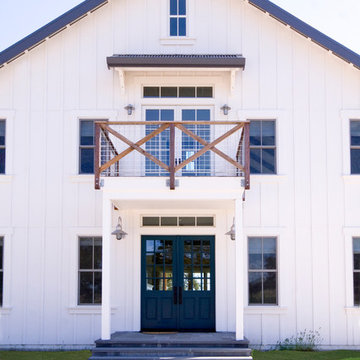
(168, 346)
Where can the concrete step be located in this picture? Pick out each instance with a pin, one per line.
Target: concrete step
(170, 351)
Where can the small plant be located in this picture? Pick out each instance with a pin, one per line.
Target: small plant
(306, 340)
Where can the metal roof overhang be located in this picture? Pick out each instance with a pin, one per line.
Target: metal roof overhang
(176, 61)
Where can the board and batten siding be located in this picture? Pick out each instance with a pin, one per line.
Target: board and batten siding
(45, 205)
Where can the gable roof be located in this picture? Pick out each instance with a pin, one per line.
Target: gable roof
(87, 6)
(49, 30)
(308, 31)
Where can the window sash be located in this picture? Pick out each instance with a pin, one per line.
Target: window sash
(260, 149)
(355, 161)
(263, 270)
(178, 19)
(3, 147)
(92, 271)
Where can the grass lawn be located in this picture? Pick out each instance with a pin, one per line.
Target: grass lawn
(42, 355)
(308, 355)
(258, 355)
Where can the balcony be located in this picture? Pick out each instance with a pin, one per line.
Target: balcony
(172, 149)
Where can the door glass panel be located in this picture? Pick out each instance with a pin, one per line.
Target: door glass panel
(149, 259)
(197, 270)
(158, 146)
(201, 165)
(149, 271)
(159, 265)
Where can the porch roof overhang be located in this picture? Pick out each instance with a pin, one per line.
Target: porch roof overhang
(234, 61)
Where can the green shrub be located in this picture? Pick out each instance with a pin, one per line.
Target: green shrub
(306, 340)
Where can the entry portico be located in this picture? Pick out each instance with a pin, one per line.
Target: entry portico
(218, 197)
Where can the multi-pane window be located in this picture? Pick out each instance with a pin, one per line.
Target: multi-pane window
(2, 146)
(178, 92)
(177, 17)
(1, 269)
(356, 254)
(355, 146)
(90, 265)
(262, 147)
(87, 147)
(262, 270)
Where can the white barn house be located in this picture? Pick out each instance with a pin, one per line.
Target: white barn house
(176, 121)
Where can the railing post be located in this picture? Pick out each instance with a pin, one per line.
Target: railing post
(97, 157)
(172, 157)
(247, 154)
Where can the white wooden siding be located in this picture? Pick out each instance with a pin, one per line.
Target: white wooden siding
(46, 204)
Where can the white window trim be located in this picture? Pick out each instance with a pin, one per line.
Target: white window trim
(283, 139)
(74, 235)
(8, 116)
(6, 308)
(281, 234)
(346, 116)
(72, 121)
(349, 234)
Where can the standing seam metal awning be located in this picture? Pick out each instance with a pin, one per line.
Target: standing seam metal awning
(177, 60)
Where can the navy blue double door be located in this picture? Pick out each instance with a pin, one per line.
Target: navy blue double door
(178, 283)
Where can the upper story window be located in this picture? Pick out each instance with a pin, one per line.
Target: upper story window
(177, 17)
(178, 92)
(87, 147)
(90, 267)
(262, 147)
(1, 268)
(262, 270)
(2, 146)
(356, 270)
(355, 146)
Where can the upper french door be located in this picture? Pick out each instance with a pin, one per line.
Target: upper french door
(185, 145)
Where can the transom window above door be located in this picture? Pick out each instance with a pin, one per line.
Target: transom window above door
(177, 92)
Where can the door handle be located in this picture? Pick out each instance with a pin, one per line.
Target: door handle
(175, 295)
(180, 295)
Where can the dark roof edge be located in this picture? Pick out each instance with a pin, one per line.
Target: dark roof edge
(49, 29)
(307, 30)
(175, 60)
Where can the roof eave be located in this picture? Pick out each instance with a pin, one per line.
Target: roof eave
(49, 30)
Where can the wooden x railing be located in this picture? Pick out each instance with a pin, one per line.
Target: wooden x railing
(241, 161)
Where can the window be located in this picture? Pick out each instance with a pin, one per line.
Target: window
(87, 147)
(262, 147)
(2, 146)
(356, 262)
(262, 271)
(1, 269)
(355, 146)
(178, 92)
(90, 265)
(177, 17)
(177, 221)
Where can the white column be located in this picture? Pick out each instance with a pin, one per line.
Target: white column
(239, 268)
(106, 269)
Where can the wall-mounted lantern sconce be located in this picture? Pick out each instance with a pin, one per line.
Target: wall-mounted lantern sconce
(232, 231)
(130, 108)
(225, 109)
(119, 232)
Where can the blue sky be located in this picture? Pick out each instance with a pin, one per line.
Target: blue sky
(338, 19)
